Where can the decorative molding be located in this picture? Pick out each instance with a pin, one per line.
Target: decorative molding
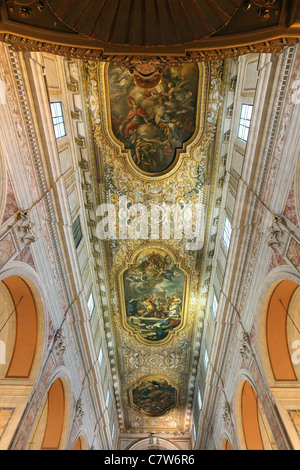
(226, 414)
(22, 43)
(79, 412)
(277, 232)
(59, 343)
(245, 346)
(25, 227)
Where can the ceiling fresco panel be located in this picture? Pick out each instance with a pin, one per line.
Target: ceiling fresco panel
(154, 295)
(154, 122)
(153, 396)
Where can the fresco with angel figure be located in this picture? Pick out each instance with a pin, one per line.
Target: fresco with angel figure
(154, 122)
(154, 295)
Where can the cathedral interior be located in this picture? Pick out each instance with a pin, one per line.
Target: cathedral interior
(149, 225)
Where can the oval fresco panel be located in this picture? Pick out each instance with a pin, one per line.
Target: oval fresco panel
(153, 123)
(153, 397)
(154, 295)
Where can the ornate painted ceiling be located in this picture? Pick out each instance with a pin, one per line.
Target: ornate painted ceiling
(153, 156)
(154, 81)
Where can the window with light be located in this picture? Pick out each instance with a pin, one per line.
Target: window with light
(215, 305)
(227, 233)
(245, 121)
(205, 359)
(58, 119)
(107, 398)
(199, 400)
(100, 357)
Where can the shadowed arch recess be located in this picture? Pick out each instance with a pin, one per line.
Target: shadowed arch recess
(276, 330)
(55, 416)
(250, 421)
(26, 327)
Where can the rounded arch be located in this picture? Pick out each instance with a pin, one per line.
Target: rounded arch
(253, 428)
(51, 426)
(21, 347)
(278, 315)
(279, 339)
(225, 444)
(80, 443)
(26, 327)
(22, 323)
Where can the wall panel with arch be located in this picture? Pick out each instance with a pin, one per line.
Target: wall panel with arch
(253, 428)
(51, 426)
(279, 325)
(21, 349)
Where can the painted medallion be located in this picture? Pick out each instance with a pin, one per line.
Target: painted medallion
(153, 123)
(154, 397)
(154, 291)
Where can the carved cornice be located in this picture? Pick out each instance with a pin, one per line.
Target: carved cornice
(273, 45)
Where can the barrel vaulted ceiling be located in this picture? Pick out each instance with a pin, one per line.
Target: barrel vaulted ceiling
(154, 101)
(151, 170)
